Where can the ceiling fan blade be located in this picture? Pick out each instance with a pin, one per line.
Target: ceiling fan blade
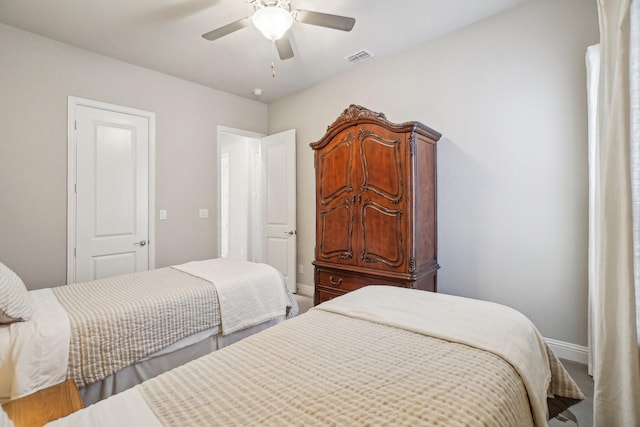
(285, 50)
(336, 22)
(227, 29)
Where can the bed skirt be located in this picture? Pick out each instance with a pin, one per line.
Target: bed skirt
(164, 361)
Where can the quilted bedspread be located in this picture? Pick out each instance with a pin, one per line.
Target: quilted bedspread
(118, 320)
(324, 368)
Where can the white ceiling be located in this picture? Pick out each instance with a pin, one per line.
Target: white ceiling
(165, 35)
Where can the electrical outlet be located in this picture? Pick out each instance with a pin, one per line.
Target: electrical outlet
(204, 213)
(163, 214)
(300, 269)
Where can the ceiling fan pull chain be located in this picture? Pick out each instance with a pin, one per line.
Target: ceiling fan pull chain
(273, 52)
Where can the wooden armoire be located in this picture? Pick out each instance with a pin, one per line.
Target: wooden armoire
(375, 204)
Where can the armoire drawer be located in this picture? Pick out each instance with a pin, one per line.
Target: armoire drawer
(324, 294)
(350, 282)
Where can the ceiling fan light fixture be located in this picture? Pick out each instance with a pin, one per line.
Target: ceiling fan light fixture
(272, 21)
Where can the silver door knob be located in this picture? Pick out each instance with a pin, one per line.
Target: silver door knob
(141, 243)
(290, 233)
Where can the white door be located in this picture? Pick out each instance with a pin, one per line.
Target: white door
(112, 215)
(279, 194)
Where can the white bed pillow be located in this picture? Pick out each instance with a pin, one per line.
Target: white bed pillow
(15, 305)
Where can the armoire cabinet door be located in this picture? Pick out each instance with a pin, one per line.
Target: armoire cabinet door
(335, 193)
(381, 183)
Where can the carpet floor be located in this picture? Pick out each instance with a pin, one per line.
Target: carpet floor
(583, 410)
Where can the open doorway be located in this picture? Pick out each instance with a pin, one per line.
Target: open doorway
(257, 198)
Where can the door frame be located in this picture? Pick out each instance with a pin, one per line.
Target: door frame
(72, 103)
(236, 132)
(257, 136)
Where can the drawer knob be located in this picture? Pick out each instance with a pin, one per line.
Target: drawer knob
(335, 282)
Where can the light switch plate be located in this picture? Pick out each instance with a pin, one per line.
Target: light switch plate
(163, 214)
(204, 213)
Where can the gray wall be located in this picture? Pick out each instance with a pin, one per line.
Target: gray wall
(509, 96)
(36, 77)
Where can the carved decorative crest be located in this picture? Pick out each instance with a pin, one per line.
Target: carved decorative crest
(357, 112)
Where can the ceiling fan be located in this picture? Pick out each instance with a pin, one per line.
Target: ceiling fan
(274, 18)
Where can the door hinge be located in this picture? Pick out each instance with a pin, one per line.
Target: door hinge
(75, 125)
(74, 252)
(75, 188)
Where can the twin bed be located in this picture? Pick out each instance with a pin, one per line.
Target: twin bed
(379, 355)
(111, 334)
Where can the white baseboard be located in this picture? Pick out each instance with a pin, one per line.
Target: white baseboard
(569, 351)
(304, 289)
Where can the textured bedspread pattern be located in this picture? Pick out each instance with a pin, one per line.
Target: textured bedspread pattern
(374, 375)
(481, 324)
(119, 320)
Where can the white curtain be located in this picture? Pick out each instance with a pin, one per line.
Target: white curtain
(634, 90)
(614, 215)
(593, 75)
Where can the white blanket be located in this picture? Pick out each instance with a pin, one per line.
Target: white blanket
(248, 293)
(39, 348)
(488, 326)
(123, 409)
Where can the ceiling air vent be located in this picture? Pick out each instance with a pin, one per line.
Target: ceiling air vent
(358, 57)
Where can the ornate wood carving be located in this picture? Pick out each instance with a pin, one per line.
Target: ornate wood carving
(337, 230)
(367, 168)
(412, 144)
(356, 112)
(393, 255)
(346, 186)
